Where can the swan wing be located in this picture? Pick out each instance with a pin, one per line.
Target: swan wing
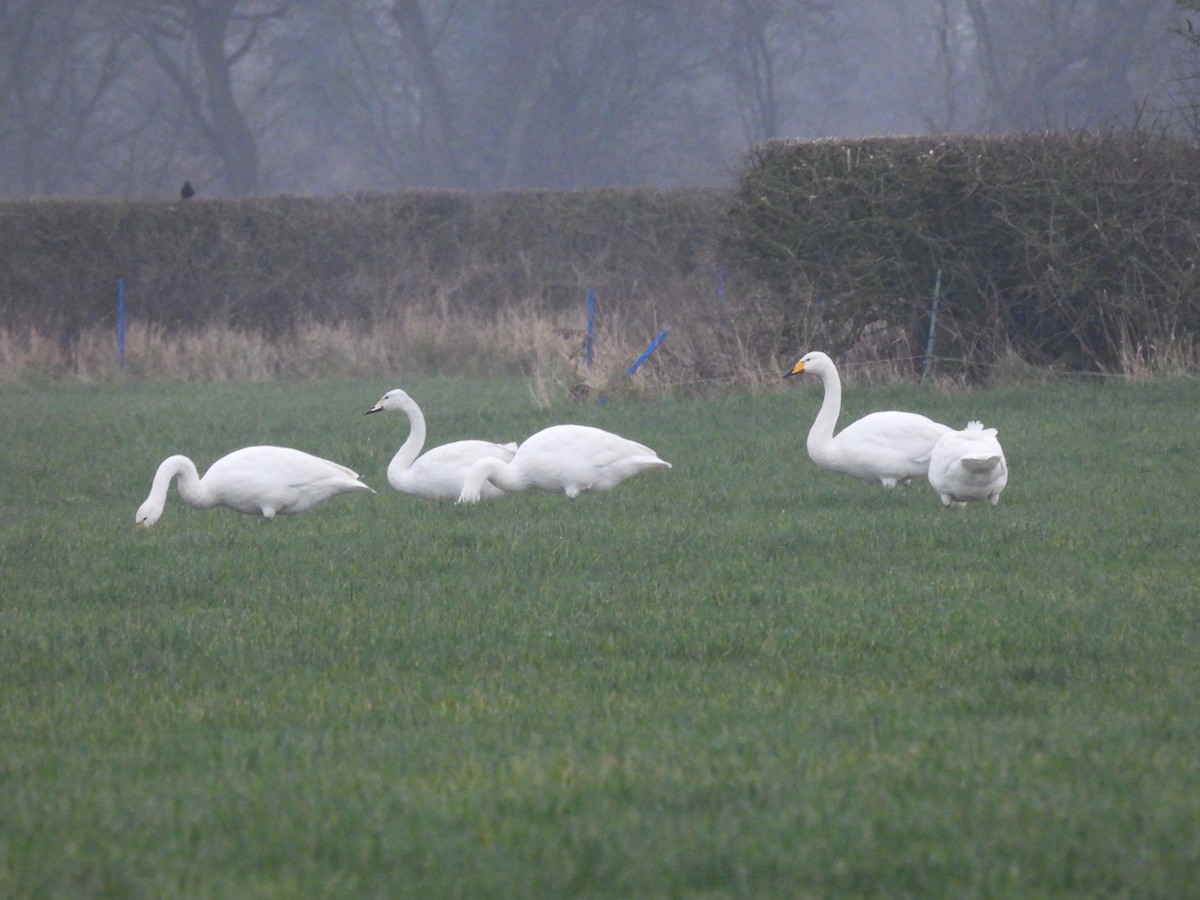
(582, 442)
(888, 445)
(460, 454)
(440, 473)
(274, 480)
(576, 458)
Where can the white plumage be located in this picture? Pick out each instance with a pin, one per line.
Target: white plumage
(441, 472)
(968, 465)
(889, 447)
(266, 481)
(566, 459)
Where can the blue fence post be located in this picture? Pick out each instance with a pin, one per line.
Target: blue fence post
(121, 323)
(641, 359)
(591, 327)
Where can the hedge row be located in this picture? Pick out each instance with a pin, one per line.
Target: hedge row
(1061, 247)
(270, 263)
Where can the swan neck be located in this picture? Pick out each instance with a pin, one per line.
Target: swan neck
(191, 487)
(500, 473)
(821, 432)
(411, 448)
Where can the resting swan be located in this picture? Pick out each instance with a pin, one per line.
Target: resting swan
(565, 459)
(439, 474)
(262, 481)
(890, 446)
(968, 465)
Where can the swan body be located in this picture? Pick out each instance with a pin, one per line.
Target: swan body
(266, 481)
(440, 473)
(565, 459)
(968, 465)
(889, 447)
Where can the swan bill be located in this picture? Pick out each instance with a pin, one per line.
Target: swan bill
(378, 407)
(796, 370)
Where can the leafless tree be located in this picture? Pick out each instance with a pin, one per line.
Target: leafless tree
(198, 44)
(61, 67)
(1185, 107)
(1066, 64)
(548, 94)
(762, 45)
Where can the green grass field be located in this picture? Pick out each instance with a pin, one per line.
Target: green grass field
(739, 677)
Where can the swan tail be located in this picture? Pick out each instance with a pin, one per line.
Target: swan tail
(980, 464)
(976, 429)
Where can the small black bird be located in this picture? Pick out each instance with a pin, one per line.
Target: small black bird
(186, 192)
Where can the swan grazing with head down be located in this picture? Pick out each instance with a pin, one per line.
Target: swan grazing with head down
(968, 465)
(266, 481)
(889, 447)
(440, 473)
(565, 459)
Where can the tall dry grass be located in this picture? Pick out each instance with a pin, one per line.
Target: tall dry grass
(708, 345)
(711, 345)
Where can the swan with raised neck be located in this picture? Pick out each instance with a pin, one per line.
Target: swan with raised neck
(888, 446)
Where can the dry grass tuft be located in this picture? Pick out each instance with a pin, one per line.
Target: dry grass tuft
(1169, 355)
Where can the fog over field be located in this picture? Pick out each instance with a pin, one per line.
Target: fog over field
(131, 98)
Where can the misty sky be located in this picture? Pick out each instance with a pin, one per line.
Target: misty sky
(128, 98)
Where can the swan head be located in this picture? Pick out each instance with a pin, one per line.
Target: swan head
(148, 513)
(395, 399)
(816, 362)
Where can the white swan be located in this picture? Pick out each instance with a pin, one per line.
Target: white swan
(968, 465)
(566, 459)
(440, 473)
(889, 446)
(262, 481)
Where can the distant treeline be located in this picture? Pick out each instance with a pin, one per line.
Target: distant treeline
(1074, 248)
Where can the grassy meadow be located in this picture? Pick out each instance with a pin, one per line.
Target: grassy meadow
(740, 677)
